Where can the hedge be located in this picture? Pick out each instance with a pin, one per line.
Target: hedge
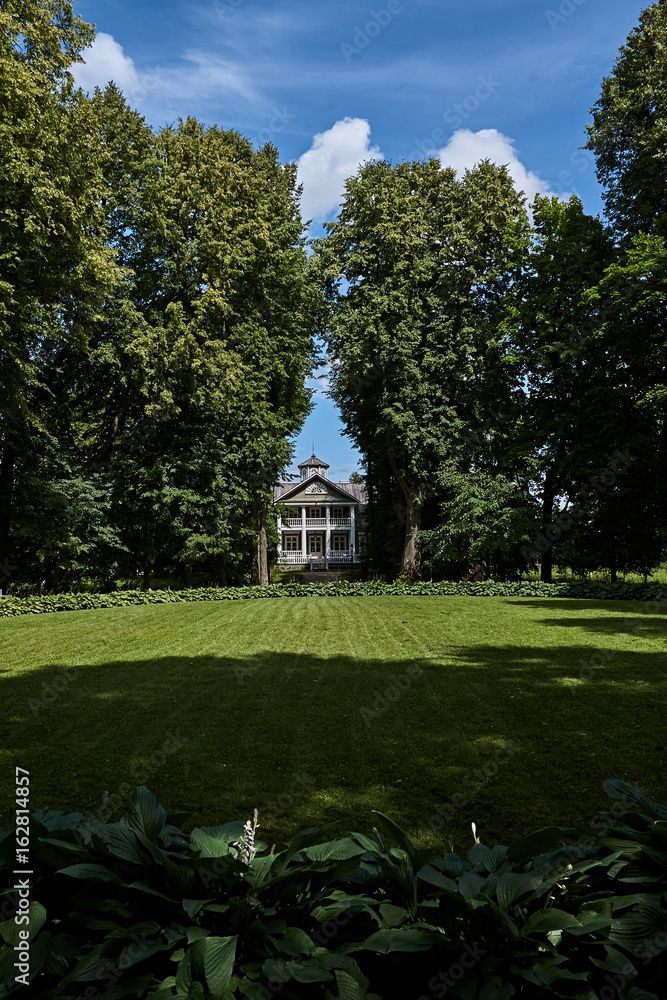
(645, 593)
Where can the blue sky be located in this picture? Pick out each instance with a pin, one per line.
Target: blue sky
(333, 84)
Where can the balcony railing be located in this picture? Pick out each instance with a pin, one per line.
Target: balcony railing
(303, 559)
(294, 558)
(342, 555)
(317, 522)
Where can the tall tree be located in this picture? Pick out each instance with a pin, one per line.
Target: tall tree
(565, 433)
(54, 265)
(629, 131)
(629, 139)
(211, 340)
(415, 268)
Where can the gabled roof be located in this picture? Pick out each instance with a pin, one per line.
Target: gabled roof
(356, 492)
(311, 462)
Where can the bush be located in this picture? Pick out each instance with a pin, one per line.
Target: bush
(582, 590)
(136, 908)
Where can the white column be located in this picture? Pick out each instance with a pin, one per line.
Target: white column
(353, 530)
(303, 532)
(327, 541)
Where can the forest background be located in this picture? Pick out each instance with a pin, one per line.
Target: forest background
(501, 367)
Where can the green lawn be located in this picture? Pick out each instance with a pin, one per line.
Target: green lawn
(318, 710)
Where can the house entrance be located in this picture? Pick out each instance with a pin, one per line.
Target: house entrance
(315, 544)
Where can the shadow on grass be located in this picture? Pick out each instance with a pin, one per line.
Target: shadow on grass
(570, 603)
(509, 736)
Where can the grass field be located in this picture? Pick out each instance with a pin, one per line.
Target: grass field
(505, 711)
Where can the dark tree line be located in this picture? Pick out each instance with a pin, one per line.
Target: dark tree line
(502, 373)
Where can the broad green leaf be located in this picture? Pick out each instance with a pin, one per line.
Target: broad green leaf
(9, 929)
(541, 842)
(431, 875)
(616, 789)
(401, 939)
(96, 873)
(145, 814)
(510, 886)
(394, 833)
(215, 955)
(335, 850)
(551, 920)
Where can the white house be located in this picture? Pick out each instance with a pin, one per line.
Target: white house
(325, 523)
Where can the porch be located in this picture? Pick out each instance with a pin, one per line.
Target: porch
(318, 560)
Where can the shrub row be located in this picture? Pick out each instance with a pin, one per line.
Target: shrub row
(137, 908)
(646, 593)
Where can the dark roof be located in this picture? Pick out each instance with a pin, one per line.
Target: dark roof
(356, 490)
(312, 461)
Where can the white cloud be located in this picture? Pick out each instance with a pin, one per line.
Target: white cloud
(466, 148)
(334, 156)
(106, 61)
(201, 76)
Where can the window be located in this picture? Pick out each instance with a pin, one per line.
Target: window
(292, 543)
(340, 512)
(315, 512)
(315, 543)
(339, 543)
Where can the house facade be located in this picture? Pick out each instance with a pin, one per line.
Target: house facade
(325, 525)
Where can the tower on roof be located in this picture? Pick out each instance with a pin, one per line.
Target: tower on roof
(313, 466)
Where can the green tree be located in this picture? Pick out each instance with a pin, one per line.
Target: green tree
(209, 342)
(564, 430)
(484, 518)
(55, 267)
(415, 269)
(629, 131)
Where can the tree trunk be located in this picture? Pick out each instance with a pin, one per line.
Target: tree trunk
(147, 575)
(546, 572)
(260, 555)
(411, 563)
(188, 575)
(6, 489)
(613, 567)
(53, 576)
(222, 571)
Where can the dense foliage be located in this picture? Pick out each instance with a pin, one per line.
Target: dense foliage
(475, 357)
(503, 372)
(577, 590)
(137, 908)
(155, 328)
